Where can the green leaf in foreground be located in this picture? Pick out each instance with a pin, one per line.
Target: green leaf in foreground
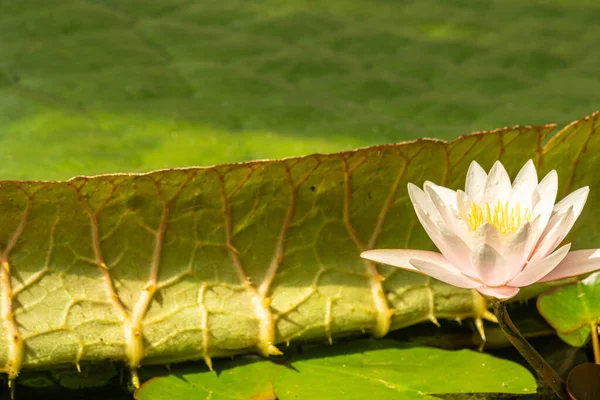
(572, 309)
(354, 370)
(237, 379)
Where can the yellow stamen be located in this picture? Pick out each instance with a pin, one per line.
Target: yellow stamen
(507, 219)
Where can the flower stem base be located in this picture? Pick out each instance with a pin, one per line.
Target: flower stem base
(543, 369)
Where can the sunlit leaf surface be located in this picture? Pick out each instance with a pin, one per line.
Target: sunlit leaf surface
(358, 370)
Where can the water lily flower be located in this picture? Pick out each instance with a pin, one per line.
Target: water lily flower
(495, 236)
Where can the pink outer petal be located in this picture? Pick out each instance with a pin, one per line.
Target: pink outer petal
(424, 262)
(488, 234)
(454, 249)
(447, 196)
(445, 273)
(500, 293)
(517, 248)
(445, 201)
(491, 267)
(400, 258)
(452, 246)
(550, 239)
(534, 272)
(575, 263)
(544, 196)
(576, 199)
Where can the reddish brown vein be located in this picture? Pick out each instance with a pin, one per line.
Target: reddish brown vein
(347, 201)
(278, 256)
(578, 156)
(387, 206)
(15, 341)
(384, 313)
(99, 260)
(133, 331)
(262, 304)
(229, 237)
(38, 275)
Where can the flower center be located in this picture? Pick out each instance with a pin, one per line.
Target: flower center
(507, 219)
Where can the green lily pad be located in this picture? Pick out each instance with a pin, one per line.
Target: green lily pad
(353, 370)
(572, 308)
(578, 338)
(236, 379)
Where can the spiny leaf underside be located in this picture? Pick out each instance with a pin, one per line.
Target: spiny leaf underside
(196, 263)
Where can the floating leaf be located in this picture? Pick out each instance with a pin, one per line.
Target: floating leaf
(236, 379)
(197, 263)
(578, 338)
(572, 308)
(354, 370)
(202, 262)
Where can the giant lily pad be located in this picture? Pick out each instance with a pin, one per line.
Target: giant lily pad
(197, 263)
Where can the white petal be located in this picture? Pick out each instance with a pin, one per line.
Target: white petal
(534, 272)
(475, 183)
(463, 203)
(450, 245)
(517, 248)
(432, 223)
(524, 185)
(419, 198)
(427, 214)
(536, 230)
(457, 252)
(399, 258)
(543, 200)
(444, 274)
(500, 293)
(544, 194)
(497, 185)
(575, 263)
(448, 196)
(576, 199)
(491, 267)
(551, 238)
(488, 234)
(527, 174)
(444, 201)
